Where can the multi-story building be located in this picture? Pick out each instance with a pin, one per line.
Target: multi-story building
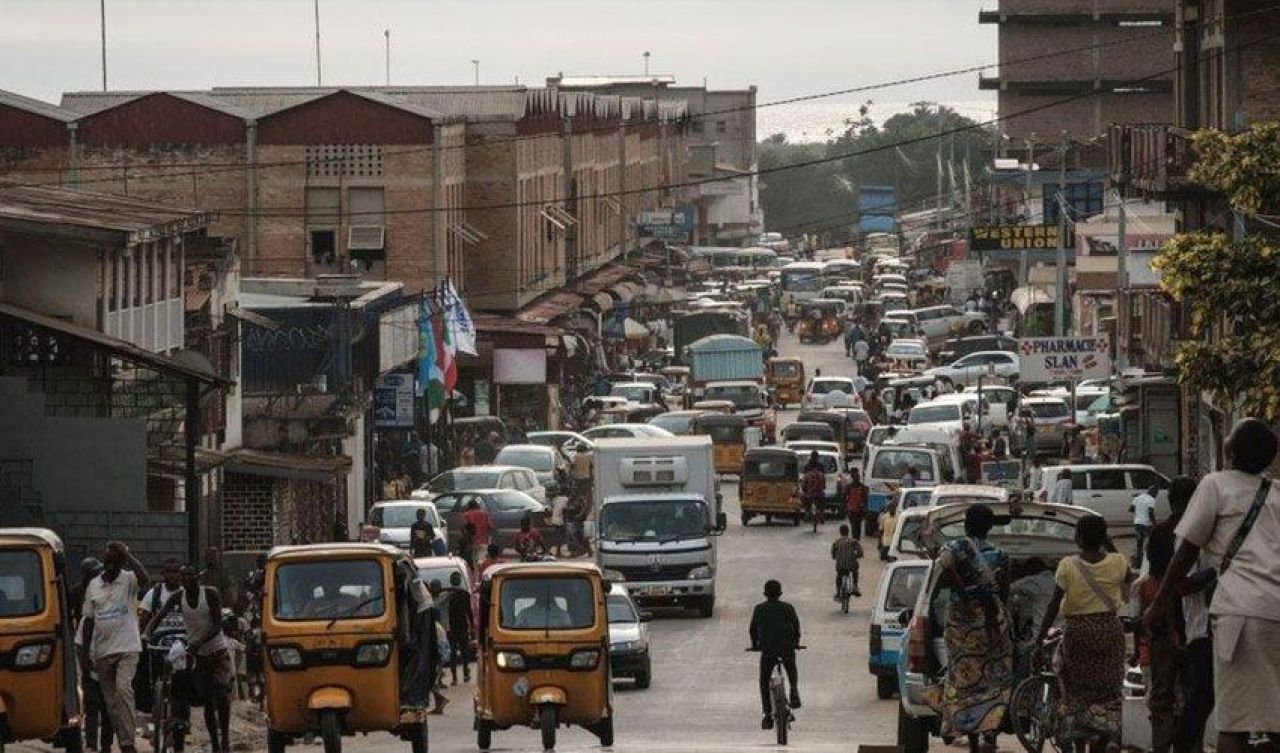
(1229, 78)
(1116, 65)
(724, 189)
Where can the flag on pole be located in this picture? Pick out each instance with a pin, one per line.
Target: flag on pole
(446, 361)
(464, 330)
(426, 348)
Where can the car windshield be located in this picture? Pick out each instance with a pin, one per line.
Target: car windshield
(459, 480)
(904, 587)
(927, 414)
(1049, 410)
(620, 609)
(401, 516)
(1023, 535)
(892, 464)
(768, 470)
(832, 385)
(546, 604)
(827, 462)
(660, 520)
(21, 583)
(525, 457)
(329, 589)
(916, 498)
(680, 423)
(819, 432)
(786, 369)
(636, 393)
(442, 574)
(724, 434)
(953, 499)
(905, 349)
(742, 396)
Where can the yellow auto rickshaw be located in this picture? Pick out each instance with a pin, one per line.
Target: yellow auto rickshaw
(350, 644)
(770, 485)
(39, 693)
(785, 378)
(728, 438)
(544, 651)
(820, 320)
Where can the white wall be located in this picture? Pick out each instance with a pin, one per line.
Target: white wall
(50, 279)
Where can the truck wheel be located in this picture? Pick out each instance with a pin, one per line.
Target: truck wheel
(886, 686)
(643, 678)
(707, 607)
(746, 518)
(913, 737)
(547, 718)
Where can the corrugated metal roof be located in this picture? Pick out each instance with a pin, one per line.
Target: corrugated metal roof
(87, 103)
(13, 99)
(587, 82)
(139, 220)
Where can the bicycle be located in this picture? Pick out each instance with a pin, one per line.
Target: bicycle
(814, 511)
(1033, 706)
(847, 586)
(168, 729)
(779, 698)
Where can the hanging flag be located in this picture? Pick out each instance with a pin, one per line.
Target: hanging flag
(426, 348)
(464, 330)
(446, 350)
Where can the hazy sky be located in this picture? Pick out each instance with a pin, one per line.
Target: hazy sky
(786, 47)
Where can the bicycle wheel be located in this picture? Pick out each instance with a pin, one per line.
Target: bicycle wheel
(781, 713)
(1034, 710)
(161, 740)
(845, 594)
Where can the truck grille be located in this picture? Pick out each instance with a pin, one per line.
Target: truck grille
(646, 573)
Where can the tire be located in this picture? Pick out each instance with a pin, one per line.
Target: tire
(70, 739)
(707, 607)
(606, 732)
(886, 686)
(781, 720)
(419, 741)
(913, 737)
(1033, 709)
(331, 732)
(547, 718)
(276, 741)
(484, 735)
(644, 677)
(160, 717)
(977, 328)
(797, 520)
(745, 518)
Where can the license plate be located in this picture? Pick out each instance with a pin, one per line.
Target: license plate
(653, 591)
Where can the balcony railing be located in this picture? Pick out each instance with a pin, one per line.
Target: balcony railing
(1152, 158)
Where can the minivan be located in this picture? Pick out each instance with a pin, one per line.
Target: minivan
(888, 463)
(899, 585)
(1109, 489)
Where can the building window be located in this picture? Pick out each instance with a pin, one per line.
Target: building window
(344, 160)
(722, 126)
(323, 246)
(367, 224)
(324, 208)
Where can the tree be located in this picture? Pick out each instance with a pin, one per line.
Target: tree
(812, 199)
(1231, 288)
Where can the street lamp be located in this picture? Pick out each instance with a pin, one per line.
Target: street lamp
(476, 64)
(646, 63)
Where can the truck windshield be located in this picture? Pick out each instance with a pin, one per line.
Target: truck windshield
(636, 393)
(742, 396)
(665, 520)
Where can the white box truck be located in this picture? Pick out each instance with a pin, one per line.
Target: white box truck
(657, 513)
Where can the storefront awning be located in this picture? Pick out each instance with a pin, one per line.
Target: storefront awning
(544, 310)
(602, 302)
(624, 291)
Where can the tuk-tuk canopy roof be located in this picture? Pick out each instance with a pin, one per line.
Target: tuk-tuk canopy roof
(771, 455)
(786, 359)
(31, 536)
(338, 549)
(535, 569)
(719, 419)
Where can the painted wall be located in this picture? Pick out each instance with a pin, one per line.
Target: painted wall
(50, 279)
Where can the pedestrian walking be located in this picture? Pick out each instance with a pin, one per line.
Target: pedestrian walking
(1091, 589)
(1062, 493)
(467, 544)
(478, 518)
(461, 628)
(112, 635)
(558, 505)
(886, 524)
(444, 648)
(975, 701)
(855, 502)
(1159, 647)
(1144, 517)
(98, 734)
(421, 535)
(1234, 517)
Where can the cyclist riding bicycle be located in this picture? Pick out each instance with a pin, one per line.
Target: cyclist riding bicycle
(775, 633)
(846, 551)
(813, 486)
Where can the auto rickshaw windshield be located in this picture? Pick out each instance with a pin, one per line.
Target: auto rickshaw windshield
(21, 583)
(660, 520)
(329, 590)
(724, 434)
(769, 470)
(547, 604)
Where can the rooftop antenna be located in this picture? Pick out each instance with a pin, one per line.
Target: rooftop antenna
(476, 63)
(387, 34)
(102, 16)
(317, 8)
(646, 63)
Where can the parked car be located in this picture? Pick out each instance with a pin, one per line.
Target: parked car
(957, 347)
(506, 507)
(988, 365)
(815, 394)
(548, 464)
(941, 322)
(899, 586)
(484, 477)
(1022, 531)
(1109, 489)
(906, 354)
(626, 431)
(1051, 416)
(389, 521)
(628, 637)
(678, 422)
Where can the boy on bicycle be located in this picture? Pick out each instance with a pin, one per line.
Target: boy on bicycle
(813, 486)
(846, 551)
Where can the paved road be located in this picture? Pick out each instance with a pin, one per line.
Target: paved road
(704, 695)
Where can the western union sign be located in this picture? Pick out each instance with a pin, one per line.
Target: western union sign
(1014, 237)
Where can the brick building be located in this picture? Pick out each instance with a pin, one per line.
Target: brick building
(1119, 68)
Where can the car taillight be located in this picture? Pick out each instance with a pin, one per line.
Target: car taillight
(876, 642)
(370, 533)
(917, 650)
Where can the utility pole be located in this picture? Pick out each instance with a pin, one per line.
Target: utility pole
(1024, 263)
(476, 65)
(1060, 299)
(646, 63)
(102, 18)
(1122, 284)
(938, 196)
(318, 76)
(387, 34)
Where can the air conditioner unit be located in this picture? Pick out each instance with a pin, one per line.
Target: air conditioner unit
(655, 471)
(366, 238)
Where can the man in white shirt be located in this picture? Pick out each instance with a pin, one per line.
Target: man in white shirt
(1061, 493)
(111, 632)
(1245, 611)
(1144, 516)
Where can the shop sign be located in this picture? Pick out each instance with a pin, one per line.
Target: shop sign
(1064, 359)
(1015, 237)
(393, 401)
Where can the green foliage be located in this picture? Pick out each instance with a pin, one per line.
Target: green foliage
(808, 199)
(1231, 289)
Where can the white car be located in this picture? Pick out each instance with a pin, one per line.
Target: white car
(1051, 415)
(544, 461)
(638, 393)
(806, 446)
(833, 468)
(892, 300)
(815, 396)
(985, 364)
(948, 415)
(568, 442)
(950, 494)
(941, 322)
(470, 477)
(906, 354)
(389, 521)
(626, 431)
(1109, 489)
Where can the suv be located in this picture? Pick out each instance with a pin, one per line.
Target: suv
(484, 477)
(1051, 416)
(991, 365)
(958, 347)
(941, 322)
(1109, 489)
(1023, 531)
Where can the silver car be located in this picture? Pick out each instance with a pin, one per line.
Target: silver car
(1051, 416)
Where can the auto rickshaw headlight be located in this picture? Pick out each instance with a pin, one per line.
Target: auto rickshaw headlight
(33, 656)
(702, 572)
(584, 659)
(286, 657)
(373, 654)
(509, 660)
